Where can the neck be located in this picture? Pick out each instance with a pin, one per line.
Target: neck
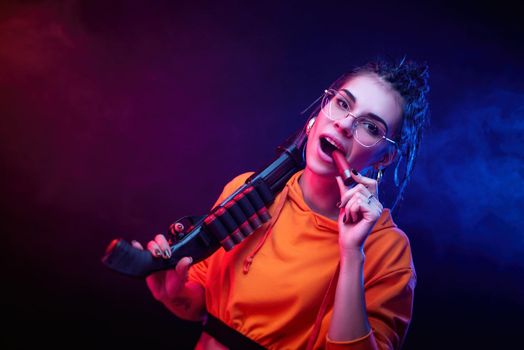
(321, 193)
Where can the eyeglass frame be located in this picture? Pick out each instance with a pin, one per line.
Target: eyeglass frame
(350, 114)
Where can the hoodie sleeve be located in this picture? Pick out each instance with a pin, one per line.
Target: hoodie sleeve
(389, 290)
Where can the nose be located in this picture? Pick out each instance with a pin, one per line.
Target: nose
(344, 126)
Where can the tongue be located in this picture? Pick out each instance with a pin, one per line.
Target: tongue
(343, 167)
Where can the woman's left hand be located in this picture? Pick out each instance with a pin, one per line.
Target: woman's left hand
(360, 209)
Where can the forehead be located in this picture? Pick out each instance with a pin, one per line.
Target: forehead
(373, 95)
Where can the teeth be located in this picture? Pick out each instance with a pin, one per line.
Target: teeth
(331, 141)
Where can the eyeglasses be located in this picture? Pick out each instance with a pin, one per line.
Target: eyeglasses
(366, 130)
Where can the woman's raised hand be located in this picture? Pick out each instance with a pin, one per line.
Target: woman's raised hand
(360, 209)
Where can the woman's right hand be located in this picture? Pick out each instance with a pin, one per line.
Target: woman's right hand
(165, 285)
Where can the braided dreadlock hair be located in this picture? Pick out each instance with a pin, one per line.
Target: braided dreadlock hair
(410, 80)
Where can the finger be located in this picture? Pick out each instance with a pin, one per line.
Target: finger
(178, 276)
(183, 265)
(343, 192)
(379, 205)
(153, 247)
(341, 185)
(351, 192)
(369, 183)
(163, 245)
(137, 244)
(373, 200)
(355, 209)
(348, 217)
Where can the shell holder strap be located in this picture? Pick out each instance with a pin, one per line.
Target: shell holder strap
(239, 217)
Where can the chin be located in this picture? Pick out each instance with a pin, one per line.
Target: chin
(321, 167)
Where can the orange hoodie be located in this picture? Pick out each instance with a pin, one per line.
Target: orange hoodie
(271, 285)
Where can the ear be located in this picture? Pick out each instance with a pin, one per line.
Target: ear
(310, 124)
(390, 154)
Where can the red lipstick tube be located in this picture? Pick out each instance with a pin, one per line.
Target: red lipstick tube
(343, 167)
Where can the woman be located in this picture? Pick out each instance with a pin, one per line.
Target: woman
(331, 270)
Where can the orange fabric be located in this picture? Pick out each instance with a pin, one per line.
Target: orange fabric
(276, 302)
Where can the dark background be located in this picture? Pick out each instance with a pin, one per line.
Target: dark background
(119, 117)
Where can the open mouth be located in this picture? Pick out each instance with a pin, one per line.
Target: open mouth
(328, 145)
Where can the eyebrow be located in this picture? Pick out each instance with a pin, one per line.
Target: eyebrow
(371, 115)
(349, 95)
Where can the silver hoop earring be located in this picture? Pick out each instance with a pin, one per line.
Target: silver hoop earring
(310, 124)
(380, 173)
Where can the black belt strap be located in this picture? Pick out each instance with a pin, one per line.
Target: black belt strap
(229, 337)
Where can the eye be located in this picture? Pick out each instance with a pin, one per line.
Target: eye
(342, 103)
(371, 127)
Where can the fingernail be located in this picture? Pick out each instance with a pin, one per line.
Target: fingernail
(167, 253)
(338, 204)
(354, 172)
(158, 252)
(190, 260)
